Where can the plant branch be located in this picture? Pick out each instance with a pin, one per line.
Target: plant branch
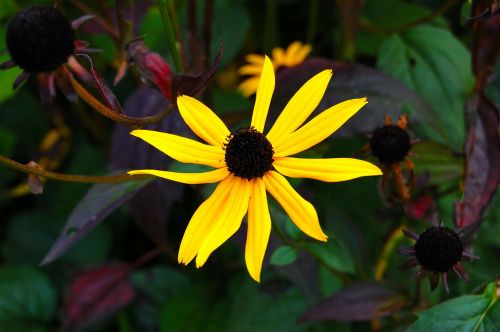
(69, 177)
(115, 116)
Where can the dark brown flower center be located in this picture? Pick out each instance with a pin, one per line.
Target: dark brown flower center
(40, 39)
(390, 144)
(438, 249)
(249, 154)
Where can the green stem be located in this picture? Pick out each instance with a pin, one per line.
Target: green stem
(271, 33)
(172, 41)
(313, 19)
(69, 177)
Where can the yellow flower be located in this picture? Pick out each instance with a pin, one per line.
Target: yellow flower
(247, 163)
(294, 55)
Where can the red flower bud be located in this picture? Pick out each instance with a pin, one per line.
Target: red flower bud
(154, 70)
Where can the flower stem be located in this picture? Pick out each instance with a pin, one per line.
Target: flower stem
(313, 19)
(168, 15)
(69, 177)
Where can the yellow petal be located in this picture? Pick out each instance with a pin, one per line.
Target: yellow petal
(183, 149)
(188, 178)
(250, 70)
(249, 86)
(228, 219)
(259, 229)
(298, 109)
(202, 222)
(302, 54)
(291, 52)
(319, 128)
(329, 170)
(278, 56)
(202, 121)
(300, 211)
(264, 94)
(257, 59)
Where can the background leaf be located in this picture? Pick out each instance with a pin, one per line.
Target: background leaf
(465, 313)
(98, 203)
(432, 62)
(357, 302)
(283, 255)
(386, 95)
(27, 300)
(96, 294)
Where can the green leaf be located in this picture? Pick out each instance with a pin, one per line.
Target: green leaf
(432, 62)
(492, 89)
(23, 246)
(7, 8)
(252, 309)
(243, 306)
(283, 255)
(388, 14)
(99, 202)
(231, 23)
(27, 299)
(442, 164)
(195, 309)
(332, 254)
(229, 101)
(157, 285)
(464, 313)
(7, 141)
(8, 76)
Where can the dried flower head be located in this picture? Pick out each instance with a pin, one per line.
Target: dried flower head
(40, 39)
(438, 250)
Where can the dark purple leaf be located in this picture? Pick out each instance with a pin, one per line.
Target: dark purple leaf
(105, 92)
(385, 94)
(364, 301)
(191, 84)
(151, 206)
(485, 46)
(97, 294)
(98, 203)
(483, 159)
(134, 13)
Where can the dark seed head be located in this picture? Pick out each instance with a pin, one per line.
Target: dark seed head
(390, 144)
(40, 39)
(249, 154)
(438, 249)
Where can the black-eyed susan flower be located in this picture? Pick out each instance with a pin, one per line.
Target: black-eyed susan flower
(391, 145)
(438, 250)
(41, 41)
(294, 55)
(248, 163)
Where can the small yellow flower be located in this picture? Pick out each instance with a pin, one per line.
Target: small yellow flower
(294, 55)
(247, 163)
